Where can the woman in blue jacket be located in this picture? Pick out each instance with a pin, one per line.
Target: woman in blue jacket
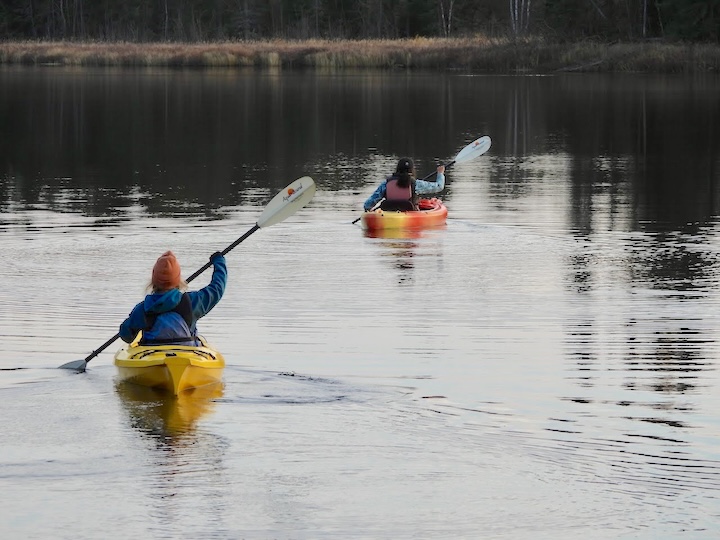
(168, 315)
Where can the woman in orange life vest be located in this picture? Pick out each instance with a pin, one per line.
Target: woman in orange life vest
(401, 189)
(169, 314)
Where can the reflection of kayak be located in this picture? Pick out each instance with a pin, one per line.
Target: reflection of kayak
(162, 414)
(400, 234)
(430, 213)
(170, 367)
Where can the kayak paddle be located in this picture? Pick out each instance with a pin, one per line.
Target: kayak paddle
(473, 150)
(282, 206)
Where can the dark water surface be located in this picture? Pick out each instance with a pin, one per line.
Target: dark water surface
(544, 366)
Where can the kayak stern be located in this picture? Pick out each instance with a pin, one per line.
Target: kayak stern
(432, 213)
(172, 368)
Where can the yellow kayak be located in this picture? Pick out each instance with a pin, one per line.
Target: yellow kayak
(173, 368)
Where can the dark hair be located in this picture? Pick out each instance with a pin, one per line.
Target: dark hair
(405, 171)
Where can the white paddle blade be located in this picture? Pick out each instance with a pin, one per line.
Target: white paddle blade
(473, 150)
(287, 202)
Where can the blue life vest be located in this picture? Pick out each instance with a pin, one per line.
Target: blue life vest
(171, 327)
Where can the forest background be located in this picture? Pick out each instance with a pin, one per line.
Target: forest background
(521, 34)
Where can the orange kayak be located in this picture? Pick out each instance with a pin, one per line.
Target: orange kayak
(430, 213)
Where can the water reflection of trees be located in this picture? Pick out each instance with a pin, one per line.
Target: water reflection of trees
(642, 204)
(658, 144)
(168, 139)
(638, 342)
(644, 274)
(671, 363)
(641, 150)
(103, 141)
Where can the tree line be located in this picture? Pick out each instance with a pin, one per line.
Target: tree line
(219, 20)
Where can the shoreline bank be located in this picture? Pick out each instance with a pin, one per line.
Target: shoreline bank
(476, 54)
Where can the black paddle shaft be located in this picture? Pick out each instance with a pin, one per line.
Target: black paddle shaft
(224, 251)
(102, 347)
(435, 172)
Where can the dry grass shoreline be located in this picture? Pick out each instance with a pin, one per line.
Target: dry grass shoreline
(476, 54)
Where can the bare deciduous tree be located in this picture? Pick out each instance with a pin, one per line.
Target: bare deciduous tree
(446, 13)
(519, 16)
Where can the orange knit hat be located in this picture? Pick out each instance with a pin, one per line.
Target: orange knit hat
(166, 272)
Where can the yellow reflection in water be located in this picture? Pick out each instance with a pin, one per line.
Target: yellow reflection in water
(401, 233)
(162, 414)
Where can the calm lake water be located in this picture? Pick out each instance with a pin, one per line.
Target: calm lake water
(544, 366)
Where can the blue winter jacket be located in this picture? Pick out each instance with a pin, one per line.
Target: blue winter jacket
(170, 326)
